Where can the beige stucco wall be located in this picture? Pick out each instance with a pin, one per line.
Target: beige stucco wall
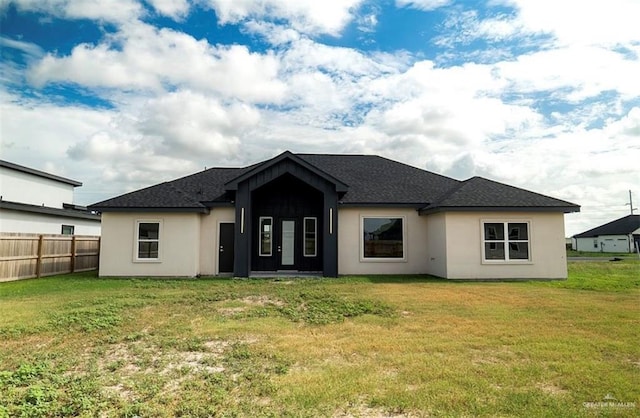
(210, 237)
(179, 240)
(349, 241)
(464, 247)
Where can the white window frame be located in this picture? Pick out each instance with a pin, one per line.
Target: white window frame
(506, 241)
(260, 253)
(405, 238)
(315, 236)
(136, 241)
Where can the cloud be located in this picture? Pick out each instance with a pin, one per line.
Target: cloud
(142, 57)
(176, 9)
(424, 5)
(191, 125)
(578, 22)
(305, 16)
(115, 11)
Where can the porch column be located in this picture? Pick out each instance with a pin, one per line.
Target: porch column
(242, 245)
(330, 235)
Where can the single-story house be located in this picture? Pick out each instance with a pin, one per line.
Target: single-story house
(333, 215)
(619, 236)
(37, 202)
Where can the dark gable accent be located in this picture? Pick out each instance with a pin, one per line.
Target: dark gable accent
(298, 162)
(284, 165)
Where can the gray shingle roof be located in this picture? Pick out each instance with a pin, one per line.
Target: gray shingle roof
(478, 192)
(370, 180)
(622, 226)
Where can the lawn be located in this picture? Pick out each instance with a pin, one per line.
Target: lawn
(77, 345)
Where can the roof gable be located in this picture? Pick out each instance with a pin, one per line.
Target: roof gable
(233, 184)
(623, 226)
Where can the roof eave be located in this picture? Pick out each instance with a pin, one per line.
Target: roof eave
(564, 209)
(33, 171)
(46, 210)
(138, 209)
(413, 205)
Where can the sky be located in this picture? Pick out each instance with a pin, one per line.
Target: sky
(122, 94)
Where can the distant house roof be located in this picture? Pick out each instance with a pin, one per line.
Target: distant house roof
(360, 180)
(46, 210)
(623, 226)
(39, 173)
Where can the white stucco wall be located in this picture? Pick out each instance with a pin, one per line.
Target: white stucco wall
(546, 246)
(35, 223)
(179, 245)
(349, 243)
(210, 238)
(606, 244)
(16, 186)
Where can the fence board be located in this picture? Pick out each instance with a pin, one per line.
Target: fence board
(24, 256)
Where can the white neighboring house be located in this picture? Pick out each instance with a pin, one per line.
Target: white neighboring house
(32, 201)
(619, 236)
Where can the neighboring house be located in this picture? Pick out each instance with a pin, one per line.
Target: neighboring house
(32, 201)
(333, 215)
(619, 236)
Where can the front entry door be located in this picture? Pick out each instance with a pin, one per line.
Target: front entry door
(225, 248)
(288, 244)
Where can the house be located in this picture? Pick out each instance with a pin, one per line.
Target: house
(619, 236)
(333, 215)
(32, 201)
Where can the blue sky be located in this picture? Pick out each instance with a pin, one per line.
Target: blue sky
(122, 94)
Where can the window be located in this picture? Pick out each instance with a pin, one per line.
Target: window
(382, 238)
(265, 240)
(595, 243)
(506, 241)
(148, 240)
(67, 229)
(310, 237)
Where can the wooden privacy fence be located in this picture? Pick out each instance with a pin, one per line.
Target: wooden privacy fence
(33, 255)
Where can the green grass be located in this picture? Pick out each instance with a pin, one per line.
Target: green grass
(574, 253)
(78, 345)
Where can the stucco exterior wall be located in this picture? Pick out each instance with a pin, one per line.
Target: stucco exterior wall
(178, 242)
(546, 246)
(416, 259)
(34, 190)
(34, 223)
(210, 238)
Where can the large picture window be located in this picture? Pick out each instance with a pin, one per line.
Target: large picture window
(506, 241)
(382, 238)
(310, 237)
(266, 234)
(148, 237)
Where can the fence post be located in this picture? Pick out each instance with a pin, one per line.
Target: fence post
(39, 260)
(73, 254)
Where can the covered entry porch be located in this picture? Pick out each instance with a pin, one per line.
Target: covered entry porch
(286, 219)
